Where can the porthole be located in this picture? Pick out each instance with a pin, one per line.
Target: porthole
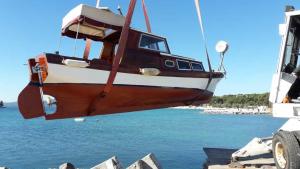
(169, 63)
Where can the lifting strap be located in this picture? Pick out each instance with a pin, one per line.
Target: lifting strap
(146, 16)
(197, 3)
(117, 59)
(123, 43)
(121, 48)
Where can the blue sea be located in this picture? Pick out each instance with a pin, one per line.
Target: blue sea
(175, 136)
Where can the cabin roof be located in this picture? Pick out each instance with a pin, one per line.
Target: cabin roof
(94, 23)
(103, 15)
(293, 13)
(91, 22)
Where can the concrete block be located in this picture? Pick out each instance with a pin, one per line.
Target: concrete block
(148, 162)
(112, 163)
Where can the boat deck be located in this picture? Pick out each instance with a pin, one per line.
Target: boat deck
(218, 158)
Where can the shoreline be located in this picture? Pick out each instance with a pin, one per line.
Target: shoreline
(257, 110)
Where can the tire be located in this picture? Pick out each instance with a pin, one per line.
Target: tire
(286, 150)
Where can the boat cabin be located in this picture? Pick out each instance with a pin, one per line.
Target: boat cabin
(143, 50)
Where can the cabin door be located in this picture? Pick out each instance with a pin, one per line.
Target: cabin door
(290, 65)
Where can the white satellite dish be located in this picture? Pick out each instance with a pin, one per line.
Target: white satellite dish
(222, 46)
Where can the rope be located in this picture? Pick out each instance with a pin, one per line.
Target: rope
(197, 3)
(75, 43)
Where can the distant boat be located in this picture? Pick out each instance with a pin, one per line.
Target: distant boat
(2, 104)
(79, 119)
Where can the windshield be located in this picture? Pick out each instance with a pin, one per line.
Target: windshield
(153, 43)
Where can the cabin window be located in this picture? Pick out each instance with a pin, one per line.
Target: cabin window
(197, 66)
(183, 65)
(292, 48)
(154, 43)
(169, 63)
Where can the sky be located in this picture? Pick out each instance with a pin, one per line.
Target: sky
(31, 27)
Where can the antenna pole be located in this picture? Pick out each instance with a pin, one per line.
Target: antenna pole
(98, 4)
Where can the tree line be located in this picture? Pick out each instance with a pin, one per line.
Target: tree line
(240, 100)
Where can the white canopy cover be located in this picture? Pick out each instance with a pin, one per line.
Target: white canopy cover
(94, 20)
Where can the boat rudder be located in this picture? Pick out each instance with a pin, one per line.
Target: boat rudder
(30, 102)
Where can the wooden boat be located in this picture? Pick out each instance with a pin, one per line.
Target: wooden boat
(135, 71)
(2, 104)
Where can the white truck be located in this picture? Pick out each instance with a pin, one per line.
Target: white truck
(285, 143)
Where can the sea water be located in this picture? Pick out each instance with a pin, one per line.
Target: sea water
(175, 136)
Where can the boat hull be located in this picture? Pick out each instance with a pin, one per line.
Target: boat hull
(80, 91)
(80, 100)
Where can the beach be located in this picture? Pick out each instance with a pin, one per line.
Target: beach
(256, 110)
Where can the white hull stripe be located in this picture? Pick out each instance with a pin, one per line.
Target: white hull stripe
(64, 74)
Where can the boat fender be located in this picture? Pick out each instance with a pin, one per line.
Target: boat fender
(149, 71)
(75, 63)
